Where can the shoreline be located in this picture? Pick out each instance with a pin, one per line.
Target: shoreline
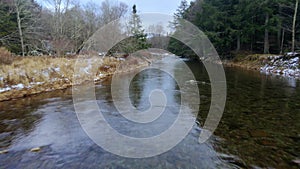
(228, 63)
(279, 65)
(259, 63)
(119, 65)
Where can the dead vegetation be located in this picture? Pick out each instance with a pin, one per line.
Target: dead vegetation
(29, 70)
(248, 60)
(5, 56)
(31, 75)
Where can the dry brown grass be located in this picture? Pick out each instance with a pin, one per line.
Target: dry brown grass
(32, 70)
(249, 61)
(45, 73)
(5, 56)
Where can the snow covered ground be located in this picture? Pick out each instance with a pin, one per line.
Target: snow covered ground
(287, 65)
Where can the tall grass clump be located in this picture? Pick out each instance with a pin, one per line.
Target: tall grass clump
(6, 56)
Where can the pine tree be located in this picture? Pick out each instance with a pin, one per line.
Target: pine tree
(180, 13)
(175, 46)
(137, 39)
(8, 36)
(260, 26)
(137, 31)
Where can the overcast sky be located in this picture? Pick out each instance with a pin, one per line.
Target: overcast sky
(143, 6)
(167, 7)
(160, 6)
(146, 6)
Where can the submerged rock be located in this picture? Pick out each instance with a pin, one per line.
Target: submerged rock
(4, 152)
(37, 149)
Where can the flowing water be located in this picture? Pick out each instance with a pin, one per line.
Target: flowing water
(260, 127)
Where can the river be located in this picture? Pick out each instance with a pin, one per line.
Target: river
(260, 127)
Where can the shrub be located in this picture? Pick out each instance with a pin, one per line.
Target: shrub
(5, 56)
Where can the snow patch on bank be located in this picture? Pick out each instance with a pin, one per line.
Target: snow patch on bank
(4, 89)
(18, 87)
(287, 65)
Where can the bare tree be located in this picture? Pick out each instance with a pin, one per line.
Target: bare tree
(157, 29)
(158, 36)
(91, 18)
(74, 28)
(111, 31)
(18, 6)
(266, 40)
(58, 41)
(294, 25)
(26, 15)
(105, 38)
(112, 10)
(63, 26)
(289, 12)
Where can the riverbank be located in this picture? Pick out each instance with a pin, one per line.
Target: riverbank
(249, 62)
(282, 65)
(32, 75)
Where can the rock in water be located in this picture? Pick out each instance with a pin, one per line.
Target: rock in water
(297, 161)
(192, 82)
(4, 152)
(37, 149)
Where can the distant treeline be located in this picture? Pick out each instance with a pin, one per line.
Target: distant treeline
(257, 26)
(53, 27)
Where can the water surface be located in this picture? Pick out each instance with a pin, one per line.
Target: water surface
(260, 126)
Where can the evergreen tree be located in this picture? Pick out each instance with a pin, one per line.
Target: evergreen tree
(175, 46)
(18, 26)
(260, 26)
(8, 27)
(137, 39)
(137, 31)
(181, 13)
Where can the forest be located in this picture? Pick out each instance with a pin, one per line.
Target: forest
(78, 90)
(242, 26)
(58, 27)
(233, 26)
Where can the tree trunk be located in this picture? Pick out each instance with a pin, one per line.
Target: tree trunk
(279, 37)
(238, 43)
(20, 28)
(282, 42)
(266, 43)
(294, 26)
(279, 31)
